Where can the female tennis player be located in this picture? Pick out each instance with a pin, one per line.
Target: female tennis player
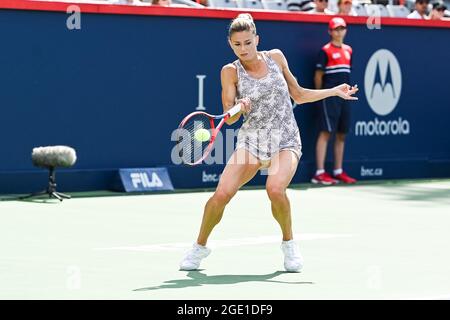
(269, 137)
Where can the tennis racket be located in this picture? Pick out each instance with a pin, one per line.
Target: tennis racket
(197, 132)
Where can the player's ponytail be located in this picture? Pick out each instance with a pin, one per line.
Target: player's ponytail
(243, 22)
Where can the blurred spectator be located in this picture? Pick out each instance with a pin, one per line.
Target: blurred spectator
(163, 3)
(420, 11)
(345, 8)
(438, 11)
(129, 2)
(300, 5)
(202, 2)
(321, 7)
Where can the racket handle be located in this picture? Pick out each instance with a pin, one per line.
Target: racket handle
(235, 110)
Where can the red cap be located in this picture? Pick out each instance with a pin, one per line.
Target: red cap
(336, 22)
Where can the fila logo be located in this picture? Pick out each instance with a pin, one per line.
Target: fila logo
(142, 178)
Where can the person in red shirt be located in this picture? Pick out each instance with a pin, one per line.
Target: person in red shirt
(333, 67)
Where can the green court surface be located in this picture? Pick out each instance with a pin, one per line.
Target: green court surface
(384, 240)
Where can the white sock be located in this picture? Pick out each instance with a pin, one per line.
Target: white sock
(337, 171)
(320, 171)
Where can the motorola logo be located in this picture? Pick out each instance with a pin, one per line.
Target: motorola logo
(383, 82)
(382, 86)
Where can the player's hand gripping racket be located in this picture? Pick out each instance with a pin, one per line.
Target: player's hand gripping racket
(197, 132)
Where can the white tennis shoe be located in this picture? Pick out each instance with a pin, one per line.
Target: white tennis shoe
(293, 260)
(193, 257)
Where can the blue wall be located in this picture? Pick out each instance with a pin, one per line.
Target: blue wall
(116, 89)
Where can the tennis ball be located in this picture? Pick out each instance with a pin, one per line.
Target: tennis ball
(202, 135)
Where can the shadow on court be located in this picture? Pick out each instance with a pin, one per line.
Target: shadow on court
(421, 194)
(197, 278)
(39, 199)
(400, 189)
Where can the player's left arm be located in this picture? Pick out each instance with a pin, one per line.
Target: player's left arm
(303, 95)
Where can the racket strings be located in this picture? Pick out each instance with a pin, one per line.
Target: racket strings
(191, 149)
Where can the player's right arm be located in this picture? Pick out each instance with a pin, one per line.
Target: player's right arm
(228, 78)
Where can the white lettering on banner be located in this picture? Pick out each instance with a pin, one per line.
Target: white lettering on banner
(73, 22)
(382, 128)
(371, 172)
(374, 19)
(210, 177)
(142, 178)
(200, 78)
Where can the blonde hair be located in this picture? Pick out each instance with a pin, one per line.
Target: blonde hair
(243, 22)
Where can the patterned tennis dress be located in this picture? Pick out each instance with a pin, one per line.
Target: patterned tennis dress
(270, 126)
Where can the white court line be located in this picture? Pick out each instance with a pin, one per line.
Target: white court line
(181, 246)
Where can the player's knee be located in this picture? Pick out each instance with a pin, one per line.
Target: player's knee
(276, 192)
(222, 197)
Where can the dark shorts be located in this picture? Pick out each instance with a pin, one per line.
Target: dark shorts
(334, 115)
